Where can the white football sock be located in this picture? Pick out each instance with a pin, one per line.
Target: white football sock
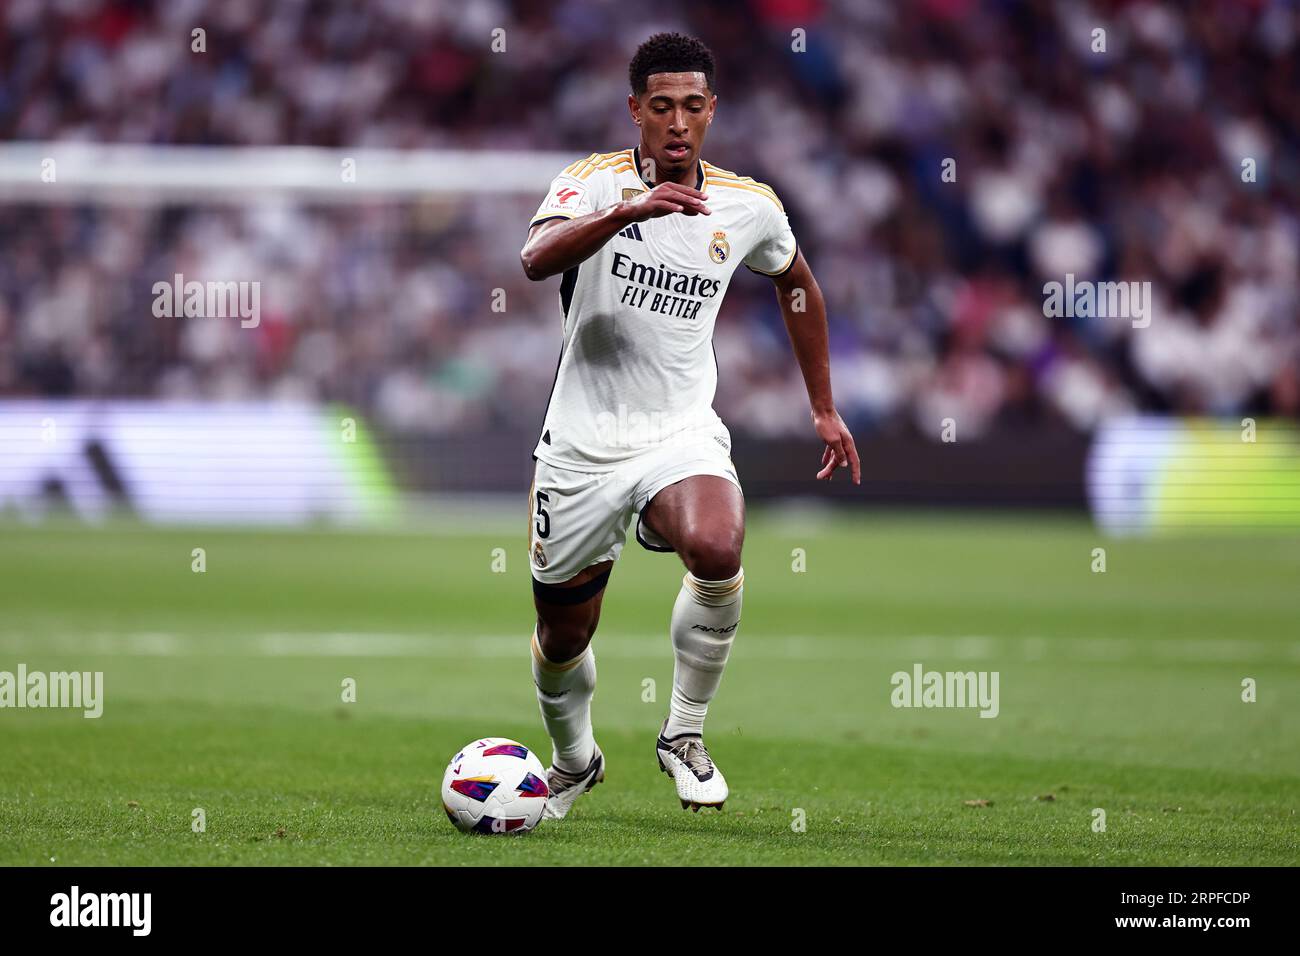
(564, 692)
(704, 624)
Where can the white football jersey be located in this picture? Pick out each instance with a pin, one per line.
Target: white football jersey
(637, 366)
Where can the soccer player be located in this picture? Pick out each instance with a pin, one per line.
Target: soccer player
(646, 240)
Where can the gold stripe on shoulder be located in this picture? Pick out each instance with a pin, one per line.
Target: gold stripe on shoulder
(729, 184)
(728, 174)
(717, 170)
(604, 159)
(723, 174)
(579, 164)
(623, 156)
(592, 161)
(613, 167)
(621, 160)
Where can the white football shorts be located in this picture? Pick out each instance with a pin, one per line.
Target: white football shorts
(578, 519)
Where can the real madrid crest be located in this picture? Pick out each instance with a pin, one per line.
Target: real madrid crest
(539, 556)
(719, 248)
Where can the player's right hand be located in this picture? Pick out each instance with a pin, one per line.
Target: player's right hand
(664, 200)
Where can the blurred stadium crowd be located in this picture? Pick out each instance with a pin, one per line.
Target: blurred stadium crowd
(1123, 164)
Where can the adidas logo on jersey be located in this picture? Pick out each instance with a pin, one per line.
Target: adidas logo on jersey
(632, 232)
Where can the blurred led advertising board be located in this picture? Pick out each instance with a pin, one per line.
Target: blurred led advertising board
(190, 462)
(1151, 474)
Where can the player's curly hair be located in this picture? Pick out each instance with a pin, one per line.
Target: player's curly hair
(669, 53)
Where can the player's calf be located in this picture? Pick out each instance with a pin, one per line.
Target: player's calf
(567, 614)
(564, 672)
(704, 622)
(705, 618)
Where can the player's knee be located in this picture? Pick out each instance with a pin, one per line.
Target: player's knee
(713, 559)
(563, 641)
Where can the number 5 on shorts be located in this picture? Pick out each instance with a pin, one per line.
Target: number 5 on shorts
(543, 518)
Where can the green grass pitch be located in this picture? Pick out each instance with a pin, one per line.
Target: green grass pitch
(1119, 691)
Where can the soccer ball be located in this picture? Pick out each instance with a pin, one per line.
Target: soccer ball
(494, 785)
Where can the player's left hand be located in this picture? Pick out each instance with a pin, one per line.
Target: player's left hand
(840, 451)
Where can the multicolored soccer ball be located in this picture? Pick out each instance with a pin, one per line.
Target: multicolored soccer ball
(494, 785)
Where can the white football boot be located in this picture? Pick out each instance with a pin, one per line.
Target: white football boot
(685, 758)
(567, 787)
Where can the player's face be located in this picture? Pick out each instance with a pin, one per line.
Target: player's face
(674, 113)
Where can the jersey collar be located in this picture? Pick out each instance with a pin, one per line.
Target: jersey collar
(636, 161)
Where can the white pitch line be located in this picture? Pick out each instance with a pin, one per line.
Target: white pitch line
(795, 648)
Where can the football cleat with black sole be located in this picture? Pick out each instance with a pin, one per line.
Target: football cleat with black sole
(567, 787)
(685, 758)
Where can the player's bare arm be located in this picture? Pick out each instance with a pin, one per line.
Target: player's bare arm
(804, 312)
(560, 244)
